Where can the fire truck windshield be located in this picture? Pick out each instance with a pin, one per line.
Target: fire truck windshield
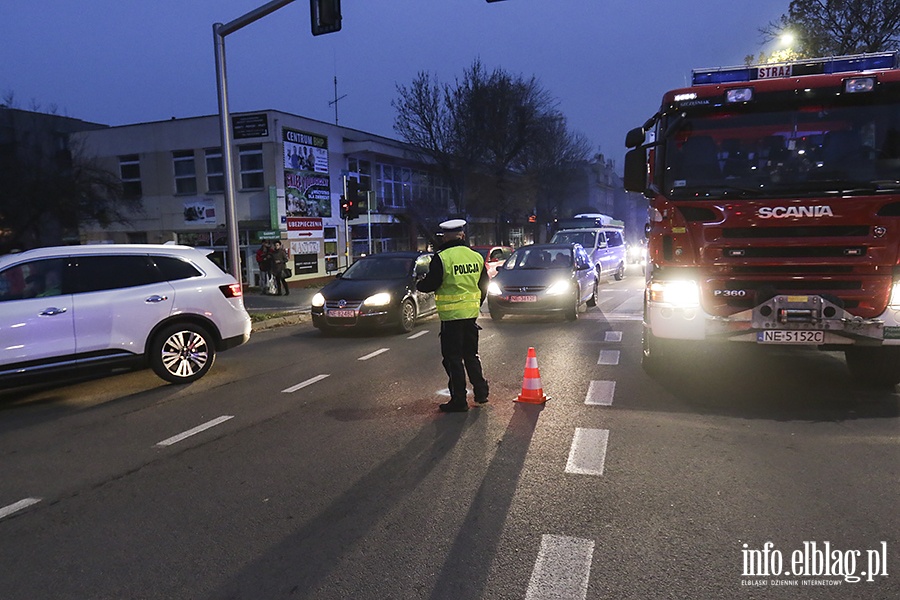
(759, 151)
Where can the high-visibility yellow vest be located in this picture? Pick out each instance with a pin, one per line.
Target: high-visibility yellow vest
(459, 296)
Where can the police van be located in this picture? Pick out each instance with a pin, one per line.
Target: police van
(602, 237)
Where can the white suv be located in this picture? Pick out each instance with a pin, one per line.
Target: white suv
(68, 308)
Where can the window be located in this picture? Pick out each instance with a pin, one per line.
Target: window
(97, 273)
(251, 158)
(185, 172)
(130, 174)
(215, 178)
(34, 279)
(614, 238)
(173, 268)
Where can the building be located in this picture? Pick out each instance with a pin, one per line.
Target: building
(289, 172)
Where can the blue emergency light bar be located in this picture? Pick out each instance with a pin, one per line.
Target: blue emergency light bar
(815, 66)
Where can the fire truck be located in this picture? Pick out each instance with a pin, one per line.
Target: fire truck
(774, 212)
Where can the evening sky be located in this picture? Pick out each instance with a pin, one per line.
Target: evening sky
(606, 62)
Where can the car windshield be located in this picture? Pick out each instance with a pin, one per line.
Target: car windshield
(380, 268)
(540, 258)
(775, 150)
(585, 238)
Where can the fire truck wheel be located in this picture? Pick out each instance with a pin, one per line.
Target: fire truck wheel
(874, 367)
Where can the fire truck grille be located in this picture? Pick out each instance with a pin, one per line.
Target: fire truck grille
(795, 252)
(796, 232)
(863, 296)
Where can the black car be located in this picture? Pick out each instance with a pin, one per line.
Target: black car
(544, 278)
(375, 291)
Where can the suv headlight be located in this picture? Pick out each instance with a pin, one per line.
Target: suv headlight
(682, 293)
(382, 299)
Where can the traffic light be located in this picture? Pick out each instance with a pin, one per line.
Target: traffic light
(353, 201)
(345, 208)
(325, 16)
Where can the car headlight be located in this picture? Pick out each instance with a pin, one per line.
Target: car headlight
(318, 300)
(678, 294)
(381, 299)
(559, 287)
(494, 289)
(894, 302)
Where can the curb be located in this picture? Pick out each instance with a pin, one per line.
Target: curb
(287, 319)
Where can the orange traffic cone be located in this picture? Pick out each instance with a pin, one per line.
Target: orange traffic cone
(532, 391)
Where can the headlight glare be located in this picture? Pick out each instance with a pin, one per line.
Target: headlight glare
(894, 302)
(494, 289)
(318, 300)
(381, 299)
(559, 287)
(677, 294)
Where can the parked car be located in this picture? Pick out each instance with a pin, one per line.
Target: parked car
(494, 256)
(375, 291)
(544, 278)
(70, 308)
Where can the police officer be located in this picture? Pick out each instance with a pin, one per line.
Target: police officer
(459, 280)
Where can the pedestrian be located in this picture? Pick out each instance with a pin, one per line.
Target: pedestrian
(279, 258)
(459, 281)
(264, 261)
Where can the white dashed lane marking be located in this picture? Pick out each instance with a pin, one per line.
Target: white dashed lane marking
(613, 336)
(199, 428)
(588, 452)
(373, 354)
(608, 357)
(303, 384)
(17, 506)
(562, 569)
(416, 335)
(600, 393)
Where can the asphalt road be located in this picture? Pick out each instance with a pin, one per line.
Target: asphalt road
(305, 466)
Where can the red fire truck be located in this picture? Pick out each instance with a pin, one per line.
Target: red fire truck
(775, 211)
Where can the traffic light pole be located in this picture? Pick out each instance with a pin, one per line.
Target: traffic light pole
(219, 33)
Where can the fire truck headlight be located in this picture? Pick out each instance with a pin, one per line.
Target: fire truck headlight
(677, 294)
(894, 302)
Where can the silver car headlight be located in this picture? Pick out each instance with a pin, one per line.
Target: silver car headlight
(562, 286)
(381, 299)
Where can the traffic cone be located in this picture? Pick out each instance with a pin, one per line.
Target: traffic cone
(532, 391)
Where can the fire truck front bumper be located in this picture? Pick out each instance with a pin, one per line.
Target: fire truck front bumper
(808, 320)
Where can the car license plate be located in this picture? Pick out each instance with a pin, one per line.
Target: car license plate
(790, 337)
(342, 314)
(523, 298)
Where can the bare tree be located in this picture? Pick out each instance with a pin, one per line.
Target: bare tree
(48, 185)
(485, 133)
(836, 27)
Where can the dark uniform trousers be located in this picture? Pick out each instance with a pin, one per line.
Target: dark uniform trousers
(459, 349)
